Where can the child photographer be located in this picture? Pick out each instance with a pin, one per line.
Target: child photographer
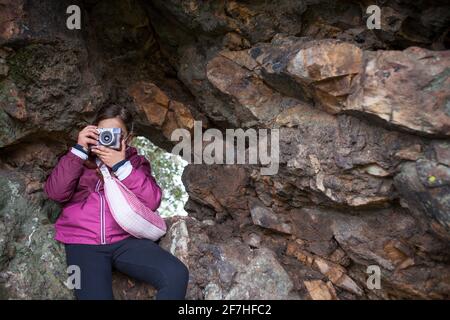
(93, 240)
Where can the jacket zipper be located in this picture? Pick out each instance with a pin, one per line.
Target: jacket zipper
(102, 215)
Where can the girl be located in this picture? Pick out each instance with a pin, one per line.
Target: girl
(93, 240)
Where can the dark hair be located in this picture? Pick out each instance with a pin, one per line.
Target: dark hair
(108, 111)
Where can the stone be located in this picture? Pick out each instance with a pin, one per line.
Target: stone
(151, 100)
(376, 170)
(412, 153)
(10, 19)
(424, 186)
(363, 126)
(253, 240)
(213, 292)
(389, 70)
(337, 276)
(341, 77)
(329, 67)
(266, 218)
(264, 278)
(235, 41)
(319, 290)
(179, 236)
(442, 150)
(247, 90)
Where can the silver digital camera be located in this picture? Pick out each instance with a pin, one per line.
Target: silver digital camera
(110, 137)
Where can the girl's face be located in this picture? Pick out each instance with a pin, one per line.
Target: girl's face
(115, 123)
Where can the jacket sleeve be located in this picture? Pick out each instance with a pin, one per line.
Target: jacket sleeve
(140, 181)
(63, 179)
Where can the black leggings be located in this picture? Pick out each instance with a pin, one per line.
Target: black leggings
(141, 259)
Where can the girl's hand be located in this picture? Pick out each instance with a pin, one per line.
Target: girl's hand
(87, 136)
(110, 156)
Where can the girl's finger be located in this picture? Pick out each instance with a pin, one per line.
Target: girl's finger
(101, 153)
(102, 148)
(91, 141)
(92, 135)
(96, 150)
(105, 150)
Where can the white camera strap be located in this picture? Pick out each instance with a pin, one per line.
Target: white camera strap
(105, 172)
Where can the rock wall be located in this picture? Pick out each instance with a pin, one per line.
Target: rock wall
(363, 116)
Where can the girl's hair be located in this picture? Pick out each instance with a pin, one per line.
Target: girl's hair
(108, 111)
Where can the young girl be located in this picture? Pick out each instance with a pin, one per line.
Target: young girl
(93, 240)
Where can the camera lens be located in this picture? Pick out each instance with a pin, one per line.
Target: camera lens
(105, 138)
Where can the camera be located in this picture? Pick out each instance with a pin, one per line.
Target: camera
(109, 137)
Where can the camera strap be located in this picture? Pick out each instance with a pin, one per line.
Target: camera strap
(129, 211)
(105, 172)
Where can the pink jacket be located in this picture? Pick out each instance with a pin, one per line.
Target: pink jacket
(86, 218)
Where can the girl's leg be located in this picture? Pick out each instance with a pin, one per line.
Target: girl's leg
(95, 265)
(145, 260)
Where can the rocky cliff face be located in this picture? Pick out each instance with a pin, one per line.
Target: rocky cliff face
(363, 116)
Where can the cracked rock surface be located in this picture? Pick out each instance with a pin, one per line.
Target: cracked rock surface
(363, 117)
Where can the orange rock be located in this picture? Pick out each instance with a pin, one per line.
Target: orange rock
(151, 100)
(319, 290)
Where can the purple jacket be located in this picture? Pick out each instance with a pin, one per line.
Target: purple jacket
(86, 218)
